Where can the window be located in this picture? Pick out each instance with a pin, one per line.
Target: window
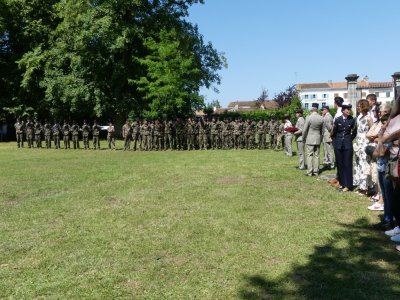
(387, 94)
(306, 105)
(305, 96)
(336, 95)
(363, 94)
(323, 104)
(377, 94)
(313, 96)
(324, 96)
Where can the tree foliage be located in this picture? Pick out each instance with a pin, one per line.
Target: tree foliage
(285, 98)
(103, 57)
(262, 98)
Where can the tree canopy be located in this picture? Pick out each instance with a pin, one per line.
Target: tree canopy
(102, 58)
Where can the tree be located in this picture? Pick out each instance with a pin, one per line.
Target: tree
(103, 58)
(262, 98)
(285, 98)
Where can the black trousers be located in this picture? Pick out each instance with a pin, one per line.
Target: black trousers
(344, 162)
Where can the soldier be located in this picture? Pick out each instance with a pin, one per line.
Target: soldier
(151, 135)
(56, 134)
(168, 135)
(299, 139)
(137, 135)
(248, 133)
(267, 137)
(273, 132)
(145, 133)
(85, 135)
(29, 133)
(225, 134)
(279, 135)
(38, 134)
(157, 135)
(65, 130)
(202, 125)
(214, 134)
(75, 135)
(180, 134)
(196, 133)
(96, 135)
(190, 137)
(19, 133)
(327, 140)
(111, 136)
(126, 135)
(47, 134)
(237, 128)
(261, 133)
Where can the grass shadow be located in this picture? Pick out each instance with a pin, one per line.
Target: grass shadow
(355, 264)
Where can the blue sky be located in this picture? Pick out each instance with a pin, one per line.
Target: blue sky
(273, 44)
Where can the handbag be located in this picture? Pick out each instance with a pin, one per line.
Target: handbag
(393, 167)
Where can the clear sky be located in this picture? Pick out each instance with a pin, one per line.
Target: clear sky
(273, 44)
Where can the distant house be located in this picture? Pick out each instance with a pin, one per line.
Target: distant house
(252, 105)
(324, 92)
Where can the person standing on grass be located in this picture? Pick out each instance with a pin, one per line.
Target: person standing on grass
(47, 134)
(75, 135)
(96, 135)
(312, 137)
(66, 129)
(126, 135)
(287, 135)
(85, 135)
(327, 140)
(29, 132)
(56, 129)
(111, 136)
(19, 133)
(299, 138)
(343, 133)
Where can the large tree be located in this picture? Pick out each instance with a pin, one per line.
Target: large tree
(106, 57)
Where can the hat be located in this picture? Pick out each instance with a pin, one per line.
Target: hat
(325, 107)
(299, 111)
(315, 105)
(346, 105)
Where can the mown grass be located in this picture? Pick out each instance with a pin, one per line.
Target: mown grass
(183, 225)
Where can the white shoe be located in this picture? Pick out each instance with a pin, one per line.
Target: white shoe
(376, 207)
(394, 231)
(396, 238)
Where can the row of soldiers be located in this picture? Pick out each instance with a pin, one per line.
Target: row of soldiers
(34, 132)
(149, 135)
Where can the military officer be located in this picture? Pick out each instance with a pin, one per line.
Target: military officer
(299, 138)
(137, 135)
(56, 129)
(126, 135)
(66, 130)
(29, 132)
(96, 135)
(85, 135)
(327, 140)
(111, 136)
(47, 134)
(75, 135)
(19, 133)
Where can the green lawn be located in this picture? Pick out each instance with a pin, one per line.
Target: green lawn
(183, 225)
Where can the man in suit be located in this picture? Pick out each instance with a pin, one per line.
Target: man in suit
(312, 137)
(327, 140)
(343, 133)
(299, 138)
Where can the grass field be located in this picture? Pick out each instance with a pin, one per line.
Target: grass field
(183, 225)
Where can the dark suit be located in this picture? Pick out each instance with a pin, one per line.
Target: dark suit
(344, 131)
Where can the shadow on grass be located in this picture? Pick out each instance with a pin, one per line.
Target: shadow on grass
(356, 264)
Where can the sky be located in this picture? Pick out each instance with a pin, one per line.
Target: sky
(272, 44)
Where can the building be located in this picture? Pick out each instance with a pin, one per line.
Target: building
(252, 105)
(325, 93)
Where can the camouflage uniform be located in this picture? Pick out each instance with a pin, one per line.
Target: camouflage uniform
(261, 134)
(168, 135)
(126, 134)
(273, 132)
(190, 137)
(85, 135)
(157, 135)
(19, 133)
(56, 134)
(145, 133)
(180, 134)
(96, 136)
(65, 130)
(248, 133)
(29, 133)
(137, 135)
(225, 134)
(214, 134)
(111, 137)
(38, 134)
(47, 134)
(75, 135)
(202, 127)
(279, 137)
(237, 129)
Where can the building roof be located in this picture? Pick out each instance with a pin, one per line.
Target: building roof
(363, 84)
(252, 105)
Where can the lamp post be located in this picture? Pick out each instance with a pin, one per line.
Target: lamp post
(396, 83)
(351, 89)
